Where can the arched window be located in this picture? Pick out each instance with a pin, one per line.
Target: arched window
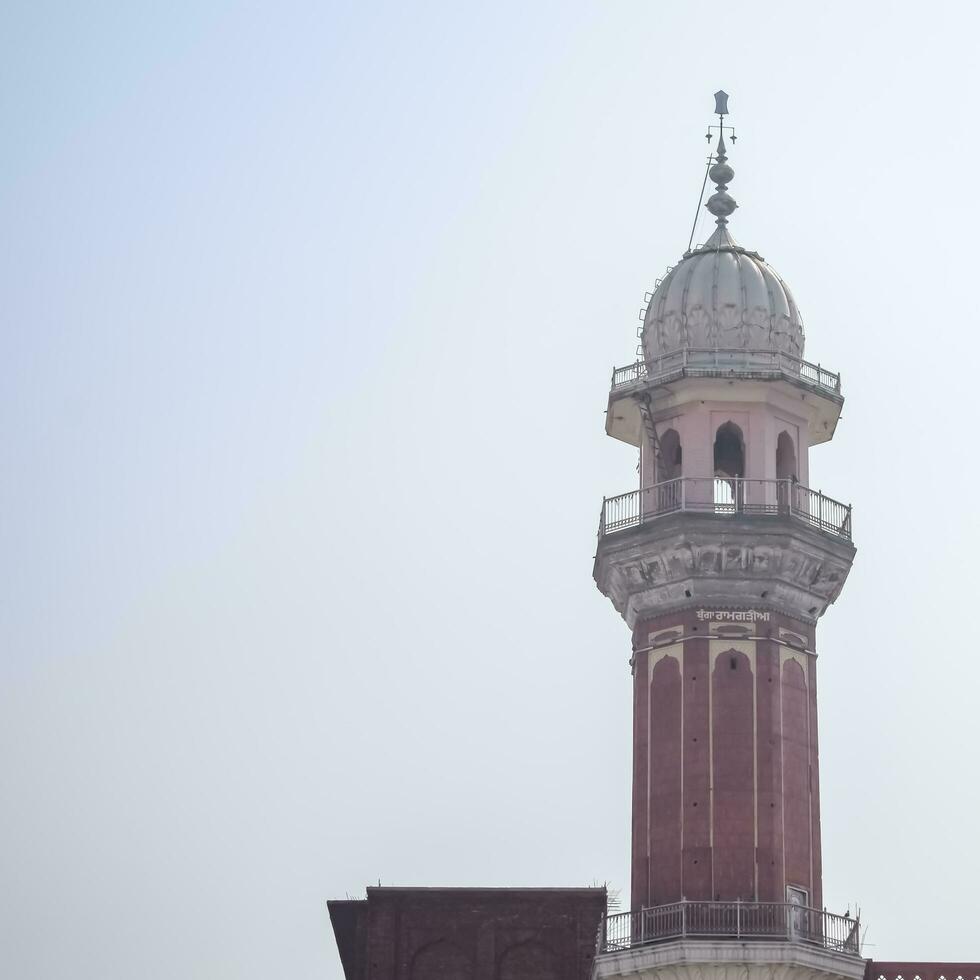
(669, 460)
(729, 468)
(669, 469)
(785, 457)
(729, 451)
(785, 470)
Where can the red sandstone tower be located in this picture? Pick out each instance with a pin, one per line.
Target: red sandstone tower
(721, 563)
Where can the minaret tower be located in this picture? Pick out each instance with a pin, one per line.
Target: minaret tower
(721, 563)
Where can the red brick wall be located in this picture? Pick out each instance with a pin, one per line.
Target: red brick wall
(796, 776)
(469, 933)
(640, 861)
(733, 816)
(697, 774)
(665, 782)
(921, 971)
(817, 867)
(770, 771)
(725, 774)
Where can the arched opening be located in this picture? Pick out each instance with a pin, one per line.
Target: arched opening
(785, 469)
(669, 461)
(669, 468)
(729, 470)
(785, 457)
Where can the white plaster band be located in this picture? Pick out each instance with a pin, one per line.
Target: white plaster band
(707, 636)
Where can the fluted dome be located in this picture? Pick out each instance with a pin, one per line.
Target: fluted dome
(722, 296)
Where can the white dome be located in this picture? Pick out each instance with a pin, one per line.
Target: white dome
(722, 296)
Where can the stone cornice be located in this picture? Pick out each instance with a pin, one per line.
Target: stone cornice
(688, 559)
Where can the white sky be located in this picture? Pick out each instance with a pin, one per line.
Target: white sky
(309, 312)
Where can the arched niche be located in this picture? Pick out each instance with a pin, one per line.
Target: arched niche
(669, 463)
(440, 960)
(529, 959)
(729, 454)
(785, 470)
(733, 774)
(786, 457)
(729, 467)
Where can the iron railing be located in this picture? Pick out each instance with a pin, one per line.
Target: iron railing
(697, 362)
(721, 495)
(781, 921)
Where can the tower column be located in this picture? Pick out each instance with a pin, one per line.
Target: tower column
(721, 563)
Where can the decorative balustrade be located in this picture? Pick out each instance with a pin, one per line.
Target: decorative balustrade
(718, 495)
(781, 921)
(727, 362)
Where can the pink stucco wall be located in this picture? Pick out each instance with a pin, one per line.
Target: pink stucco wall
(698, 422)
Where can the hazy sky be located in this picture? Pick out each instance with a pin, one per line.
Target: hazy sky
(309, 312)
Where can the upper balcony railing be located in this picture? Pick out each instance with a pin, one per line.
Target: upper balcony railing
(732, 497)
(697, 362)
(774, 921)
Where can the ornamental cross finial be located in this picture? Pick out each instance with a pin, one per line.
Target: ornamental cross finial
(721, 204)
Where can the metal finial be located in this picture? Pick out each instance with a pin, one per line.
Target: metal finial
(721, 204)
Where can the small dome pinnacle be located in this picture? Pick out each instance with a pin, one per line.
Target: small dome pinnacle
(721, 204)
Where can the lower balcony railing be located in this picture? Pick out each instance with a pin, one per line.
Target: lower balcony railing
(721, 495)
(780, 921)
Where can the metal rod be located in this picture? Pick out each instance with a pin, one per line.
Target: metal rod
(697, 212)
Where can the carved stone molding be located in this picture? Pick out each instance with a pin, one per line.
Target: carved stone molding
(692, 559)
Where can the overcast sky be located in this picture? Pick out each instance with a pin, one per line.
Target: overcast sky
(309, 311)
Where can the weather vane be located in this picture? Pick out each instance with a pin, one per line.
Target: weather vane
(721, 110)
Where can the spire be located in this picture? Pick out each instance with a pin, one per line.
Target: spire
(721, 204)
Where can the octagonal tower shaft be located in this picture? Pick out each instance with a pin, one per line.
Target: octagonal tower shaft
(725, 761)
